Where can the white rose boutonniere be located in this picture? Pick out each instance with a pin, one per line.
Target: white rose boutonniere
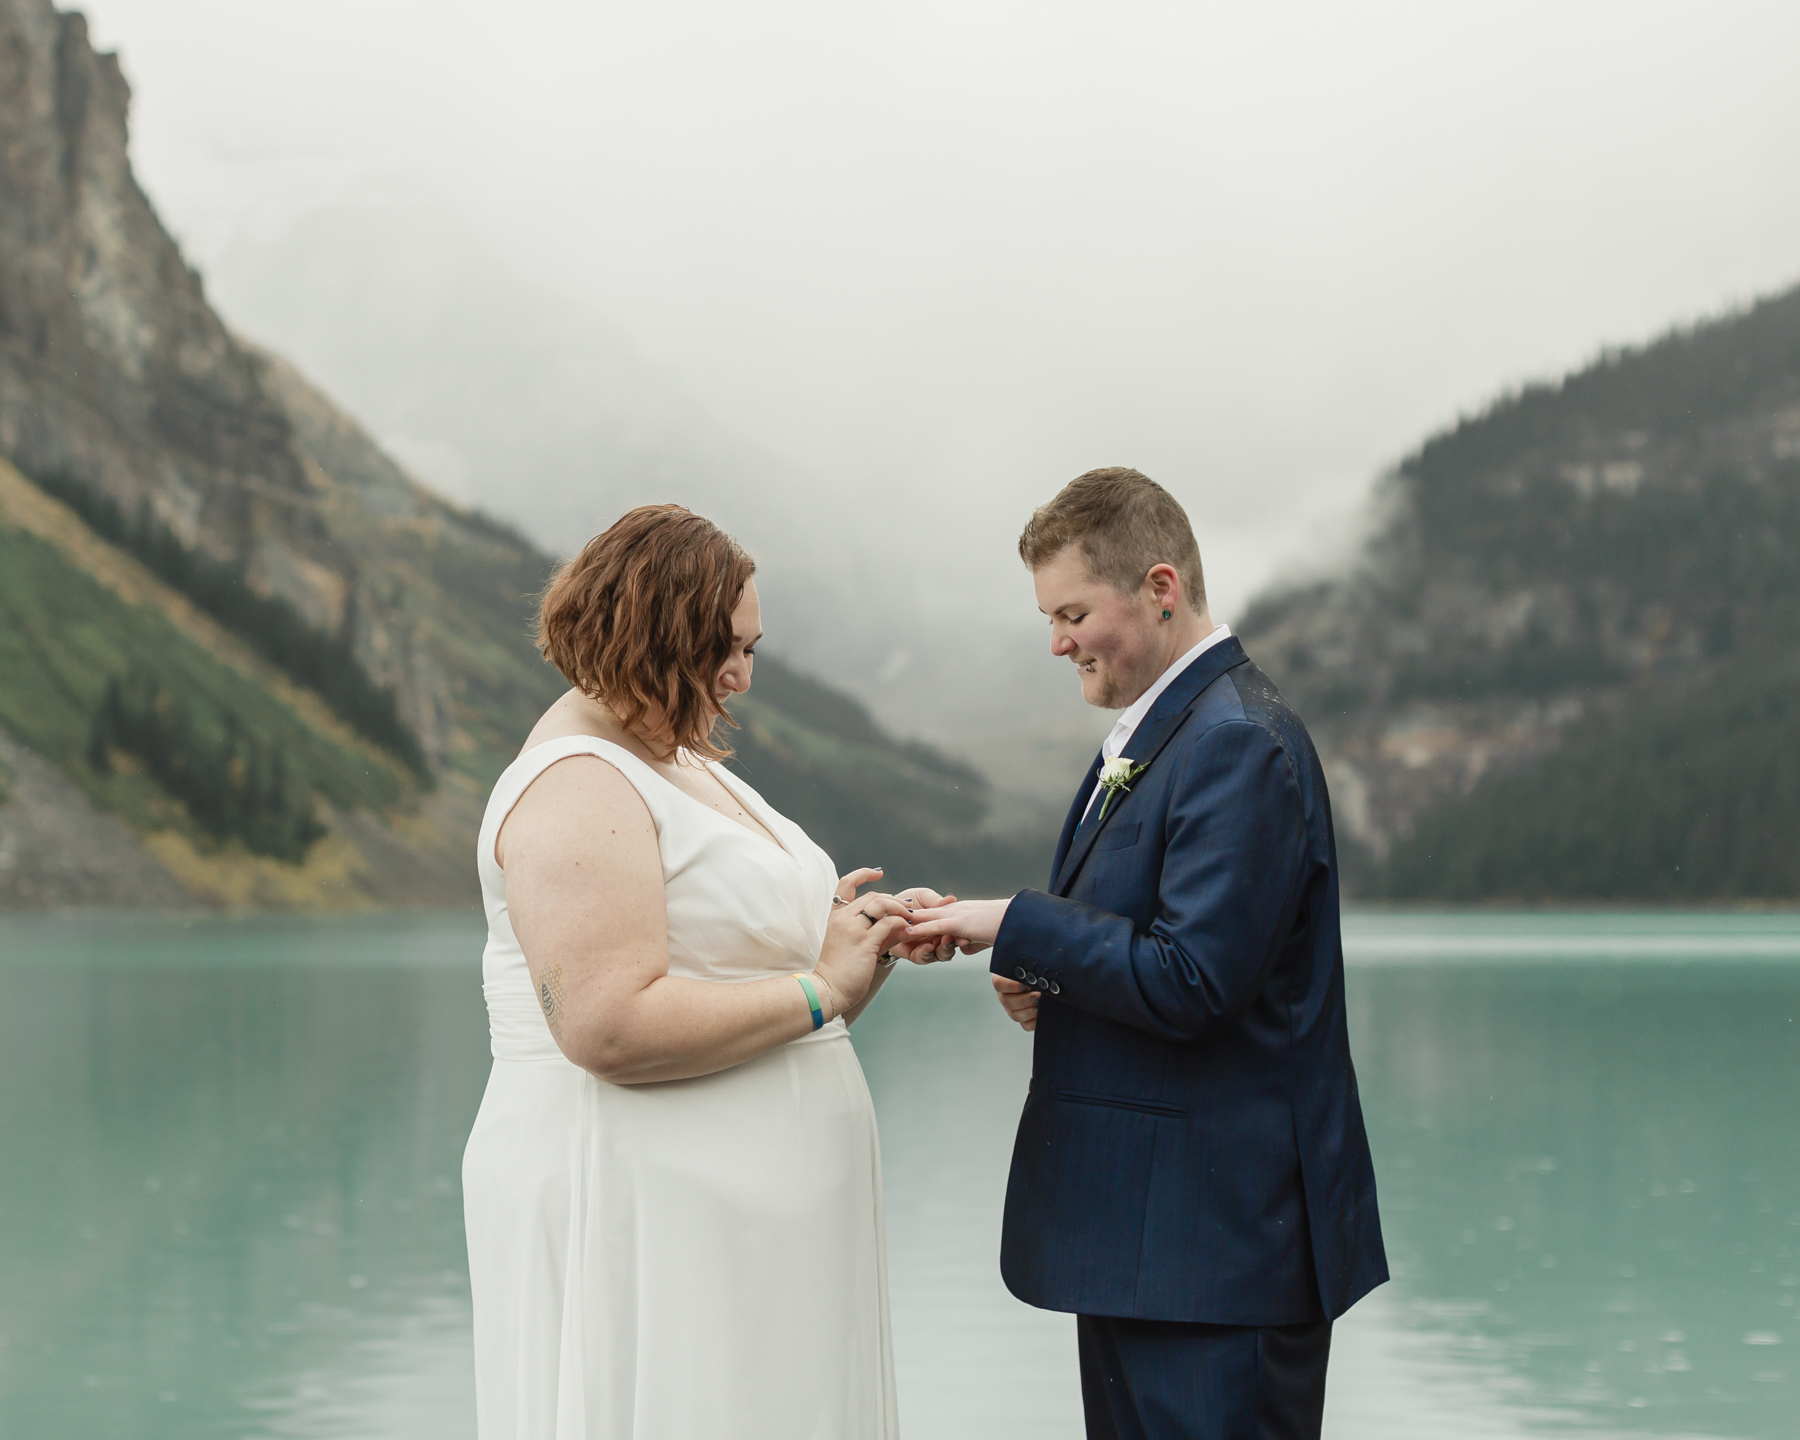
(1116, 776)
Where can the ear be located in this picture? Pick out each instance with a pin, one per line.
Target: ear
(1164, 583)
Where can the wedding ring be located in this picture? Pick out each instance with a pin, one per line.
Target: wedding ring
(867, 916)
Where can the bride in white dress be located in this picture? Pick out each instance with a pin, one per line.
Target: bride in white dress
(673, 1187)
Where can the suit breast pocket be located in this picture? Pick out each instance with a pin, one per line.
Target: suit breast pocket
(1118, 837)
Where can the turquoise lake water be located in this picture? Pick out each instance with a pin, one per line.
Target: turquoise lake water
(229, 1155)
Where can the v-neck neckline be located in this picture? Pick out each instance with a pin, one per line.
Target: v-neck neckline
(720, 774)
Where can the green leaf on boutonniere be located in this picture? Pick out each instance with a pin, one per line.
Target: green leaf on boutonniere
(1115, 779)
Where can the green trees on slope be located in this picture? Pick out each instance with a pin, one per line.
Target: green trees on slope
(1669, 794)
(63, 637)
(324, 663)
(1676, 386)
(1681, 781)
(233, 785)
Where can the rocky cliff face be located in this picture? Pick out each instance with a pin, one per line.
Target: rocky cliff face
(197, 547)
(1585, 566)
(115, 373)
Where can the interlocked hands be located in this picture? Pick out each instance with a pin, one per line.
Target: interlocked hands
(972, 926)
(944, 921)
(940, 925)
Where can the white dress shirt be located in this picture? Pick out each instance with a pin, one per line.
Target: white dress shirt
(1126, 725)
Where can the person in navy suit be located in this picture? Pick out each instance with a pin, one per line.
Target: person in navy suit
(1192, 1178)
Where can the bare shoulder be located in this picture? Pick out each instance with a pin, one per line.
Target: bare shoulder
(580, 806)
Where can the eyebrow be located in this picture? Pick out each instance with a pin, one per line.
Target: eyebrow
(753, 639)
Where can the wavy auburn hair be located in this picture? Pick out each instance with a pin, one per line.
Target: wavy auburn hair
(640, 620)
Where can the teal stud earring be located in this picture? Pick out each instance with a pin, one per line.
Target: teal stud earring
(1167, 614)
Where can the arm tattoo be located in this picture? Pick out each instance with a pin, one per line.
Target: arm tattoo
(551, 996)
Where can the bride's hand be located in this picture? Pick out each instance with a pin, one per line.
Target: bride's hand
(923, 897)
(856, 936)
(847, 884)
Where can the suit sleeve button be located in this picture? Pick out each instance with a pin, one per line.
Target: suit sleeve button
(1019, 973)
(1055, 989)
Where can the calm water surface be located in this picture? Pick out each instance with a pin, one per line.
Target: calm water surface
(229, 1206)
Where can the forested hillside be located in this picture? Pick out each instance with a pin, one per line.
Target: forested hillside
(1568, 665)
(235, 632)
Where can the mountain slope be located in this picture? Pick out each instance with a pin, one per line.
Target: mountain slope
(116, 376)
(1564, 666)
(76, 613)
(190, 531)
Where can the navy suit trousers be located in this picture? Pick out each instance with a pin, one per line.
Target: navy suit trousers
(1174, 1380)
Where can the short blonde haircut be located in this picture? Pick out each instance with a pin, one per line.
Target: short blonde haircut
(1124, 523)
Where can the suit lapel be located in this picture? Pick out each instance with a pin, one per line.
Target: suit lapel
(1165, 718)
(1073, 819)
(1141, 751)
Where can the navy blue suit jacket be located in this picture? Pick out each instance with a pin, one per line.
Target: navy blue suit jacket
(1192, 1146)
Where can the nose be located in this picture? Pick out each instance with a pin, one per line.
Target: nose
(735, 677)
(1061, 643)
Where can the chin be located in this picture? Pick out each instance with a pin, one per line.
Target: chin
(1097, 690)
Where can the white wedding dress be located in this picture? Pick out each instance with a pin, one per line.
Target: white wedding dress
(692, 1259)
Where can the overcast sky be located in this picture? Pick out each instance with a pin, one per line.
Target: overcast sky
(956, 253)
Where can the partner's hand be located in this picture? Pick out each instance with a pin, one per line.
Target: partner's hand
(925, 952)
(972, 924)
(1019, 1001)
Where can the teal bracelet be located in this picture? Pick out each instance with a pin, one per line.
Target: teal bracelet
(812, 999)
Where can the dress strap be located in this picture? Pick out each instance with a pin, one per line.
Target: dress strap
(519, 776)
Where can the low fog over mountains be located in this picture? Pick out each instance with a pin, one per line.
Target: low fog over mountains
(524, 404)
(247, 657)
(1566, 664)
(505, 397)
